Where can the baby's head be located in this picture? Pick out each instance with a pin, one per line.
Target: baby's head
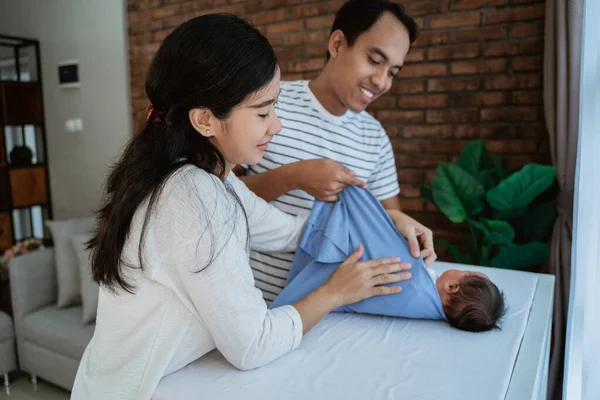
(471, 301)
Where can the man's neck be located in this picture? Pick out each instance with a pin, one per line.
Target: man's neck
(321, 88)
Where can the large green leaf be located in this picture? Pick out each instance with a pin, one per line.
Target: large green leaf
(521, 188)
(494, 231)
(426, 193)
(475, 158)
(538, 222)
(457, 193)
(521, 256)
(500, 232)
(454, 252)
(488, 178)
(501, 173)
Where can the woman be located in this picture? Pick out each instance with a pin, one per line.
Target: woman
(171, 249)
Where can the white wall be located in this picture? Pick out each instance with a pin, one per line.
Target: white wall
(95, 33)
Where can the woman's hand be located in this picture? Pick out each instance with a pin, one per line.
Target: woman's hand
(354, 281)
(420, 238)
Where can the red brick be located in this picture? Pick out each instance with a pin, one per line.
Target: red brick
(410, 192)
(337, 4)
(430, 38)
(453, 84)
(451, 116)
(423, 101)
(412, 205)
(455, 20)
(161, 35)
(411, 175)
(535, 29)
(417, 70)
(166, 11)
(415, 55)
(291, 77)
(419, 160)
(535, 130)
(523, 13)
(445, 146)
(290, 53)
(320, 22)
(477, 4)
(316, 51)
(453, 52)
(277, 41)
(530, 63)
(312, 64)
(420, 22)
(308, 10)
(478, 67)
(408, 87)
(268, 17)
(483, 131)
(280, 3)
(427, 131)
(532, 46)
(523, 81)
(284, 27)
(528, 97)
(511, 146)
(518, 162)
(392, 130)
(174, 21)
(384, 102)
(406, 146)
(295, 39)
(426, 7)
(475, 35)
(401, 117)
(477, 99)
(509, 114)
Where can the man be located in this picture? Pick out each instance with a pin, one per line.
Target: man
(328, 140)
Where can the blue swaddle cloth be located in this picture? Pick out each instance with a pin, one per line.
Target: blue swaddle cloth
(333, 232)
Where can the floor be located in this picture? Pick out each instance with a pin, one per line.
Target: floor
(22, 389)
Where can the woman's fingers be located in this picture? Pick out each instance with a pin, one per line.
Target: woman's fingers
(390, 268)
(390, 278)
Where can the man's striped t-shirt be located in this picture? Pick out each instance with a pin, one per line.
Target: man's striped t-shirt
(355, 140)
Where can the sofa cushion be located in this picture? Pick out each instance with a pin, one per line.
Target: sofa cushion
(7, 331)
(67, 264)
(59, 329)
(89, 288)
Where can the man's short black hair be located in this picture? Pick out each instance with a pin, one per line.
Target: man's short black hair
(358, 16)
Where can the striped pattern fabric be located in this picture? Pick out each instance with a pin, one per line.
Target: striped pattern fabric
(355, 140)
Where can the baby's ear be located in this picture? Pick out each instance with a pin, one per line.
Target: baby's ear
(452, 288)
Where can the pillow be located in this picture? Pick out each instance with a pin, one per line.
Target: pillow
(89, 288)
(65, 259)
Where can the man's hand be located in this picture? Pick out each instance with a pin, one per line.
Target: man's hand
(415, 233)
(323, 178)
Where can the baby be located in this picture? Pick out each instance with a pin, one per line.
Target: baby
(471, 301)
(467, 300)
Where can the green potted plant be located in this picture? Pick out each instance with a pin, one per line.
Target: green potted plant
(510, 216)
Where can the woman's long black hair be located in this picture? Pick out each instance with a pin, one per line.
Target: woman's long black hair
(214, 61)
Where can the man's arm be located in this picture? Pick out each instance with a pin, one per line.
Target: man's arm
(271, 184)
(393, 203)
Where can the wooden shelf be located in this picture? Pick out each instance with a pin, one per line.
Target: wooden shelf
(21, 103)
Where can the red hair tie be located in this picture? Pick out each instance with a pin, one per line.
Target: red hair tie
(153, 115)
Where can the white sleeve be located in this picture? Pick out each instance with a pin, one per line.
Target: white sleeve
(271, 229)
(208, 266)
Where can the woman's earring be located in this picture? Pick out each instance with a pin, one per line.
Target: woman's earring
(208, 131)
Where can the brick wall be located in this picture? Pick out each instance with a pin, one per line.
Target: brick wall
(475, 72)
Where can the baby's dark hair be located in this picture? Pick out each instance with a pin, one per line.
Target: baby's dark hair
(477, 306)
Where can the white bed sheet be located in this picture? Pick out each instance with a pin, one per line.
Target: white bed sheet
(352, 357)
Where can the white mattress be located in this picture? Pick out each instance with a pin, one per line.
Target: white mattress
(352, 357)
